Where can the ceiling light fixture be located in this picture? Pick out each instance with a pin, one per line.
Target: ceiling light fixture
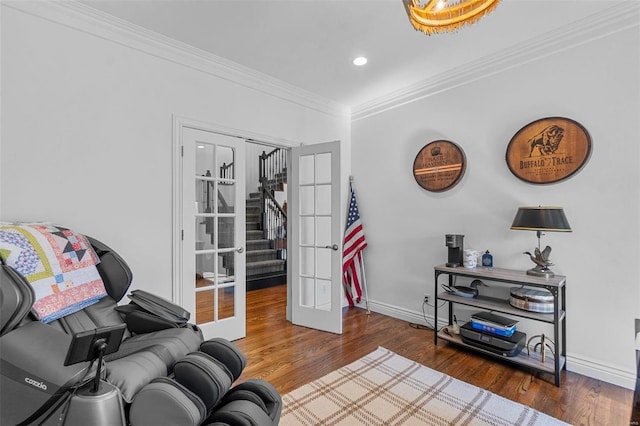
(360, 61)
(435, 16)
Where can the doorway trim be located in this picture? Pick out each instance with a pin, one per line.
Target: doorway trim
(179, 124)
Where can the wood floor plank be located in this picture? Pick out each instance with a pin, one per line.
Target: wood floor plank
(290, 356)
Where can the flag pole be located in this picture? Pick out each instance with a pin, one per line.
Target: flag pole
(364, 278)
(364, 286)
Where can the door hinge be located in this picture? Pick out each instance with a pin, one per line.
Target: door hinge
(182, 234)
(182, 151)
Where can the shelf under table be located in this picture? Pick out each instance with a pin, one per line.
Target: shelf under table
(501, 305)
(534, 360)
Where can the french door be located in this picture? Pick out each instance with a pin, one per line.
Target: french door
(316, 237)
(212, 282)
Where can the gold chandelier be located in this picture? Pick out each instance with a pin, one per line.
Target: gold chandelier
(436, 16)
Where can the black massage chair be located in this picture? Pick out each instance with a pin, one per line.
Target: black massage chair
(159, 371)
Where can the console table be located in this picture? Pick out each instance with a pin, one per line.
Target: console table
(556, 285)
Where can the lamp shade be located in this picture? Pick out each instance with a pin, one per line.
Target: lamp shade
(541, 218)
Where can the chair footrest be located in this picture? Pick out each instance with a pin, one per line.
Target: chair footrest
(166, 402)
(227, 353)
(205, 376)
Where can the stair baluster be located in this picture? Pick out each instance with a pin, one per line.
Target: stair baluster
(266, 254)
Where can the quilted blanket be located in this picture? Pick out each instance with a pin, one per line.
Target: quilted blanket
(59, 264)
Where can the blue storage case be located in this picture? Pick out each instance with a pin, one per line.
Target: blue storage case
(491, 329)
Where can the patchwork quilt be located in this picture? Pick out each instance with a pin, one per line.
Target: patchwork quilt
(59, 264)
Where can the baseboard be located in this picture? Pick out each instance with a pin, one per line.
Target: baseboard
(266, 282)
(575, 363)
(399, 313)
(597, 370)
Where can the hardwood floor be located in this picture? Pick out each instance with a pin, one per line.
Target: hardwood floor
(289, 356)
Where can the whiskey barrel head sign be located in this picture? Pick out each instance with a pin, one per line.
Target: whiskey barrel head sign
(548, 150)
(439, 166)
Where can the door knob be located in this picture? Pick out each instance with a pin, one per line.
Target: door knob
(240, 249)
(333, 247)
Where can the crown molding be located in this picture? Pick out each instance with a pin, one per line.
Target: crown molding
(86, 19)
(613, 20)
(78, 16)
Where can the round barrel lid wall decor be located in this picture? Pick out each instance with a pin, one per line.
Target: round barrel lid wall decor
(548, 150)
(439, 166)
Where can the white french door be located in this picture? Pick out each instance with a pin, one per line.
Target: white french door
(316, 237)
(212, 282)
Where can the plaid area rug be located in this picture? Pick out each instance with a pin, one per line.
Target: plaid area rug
(384, 388)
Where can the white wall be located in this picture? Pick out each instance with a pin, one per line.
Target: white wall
(595, 84)
(87, 131)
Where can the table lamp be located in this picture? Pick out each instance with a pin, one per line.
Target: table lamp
(541, 218)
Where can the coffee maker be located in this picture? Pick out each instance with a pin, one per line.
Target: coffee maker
(455, 249)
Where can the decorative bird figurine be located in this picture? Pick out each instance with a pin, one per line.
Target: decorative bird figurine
(468, 292)
(541, 259)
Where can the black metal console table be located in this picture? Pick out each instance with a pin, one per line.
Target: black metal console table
(556, 285)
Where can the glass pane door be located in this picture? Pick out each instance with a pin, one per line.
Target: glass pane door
(316, 257)
(214, 239)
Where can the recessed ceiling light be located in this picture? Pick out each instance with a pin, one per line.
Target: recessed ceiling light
(360, 61)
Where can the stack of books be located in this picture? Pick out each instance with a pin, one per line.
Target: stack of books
(488, 322)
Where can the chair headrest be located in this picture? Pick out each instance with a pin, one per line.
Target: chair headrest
(114, 271)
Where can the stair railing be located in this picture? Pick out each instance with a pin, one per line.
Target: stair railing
(273, 168)
(274, 222)
(227, 171)
(272, 175)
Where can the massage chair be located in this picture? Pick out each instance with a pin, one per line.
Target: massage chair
(160, 372)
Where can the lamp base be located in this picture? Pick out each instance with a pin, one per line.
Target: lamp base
(539, 272)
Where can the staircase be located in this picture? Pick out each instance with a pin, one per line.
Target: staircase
(266, 225)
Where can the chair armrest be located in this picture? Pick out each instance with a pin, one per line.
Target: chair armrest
(147, 313)
(159, 306)
(141, 322)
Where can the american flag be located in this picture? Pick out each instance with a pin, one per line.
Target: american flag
(354, 243)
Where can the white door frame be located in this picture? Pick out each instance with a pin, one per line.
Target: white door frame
(179, 124)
